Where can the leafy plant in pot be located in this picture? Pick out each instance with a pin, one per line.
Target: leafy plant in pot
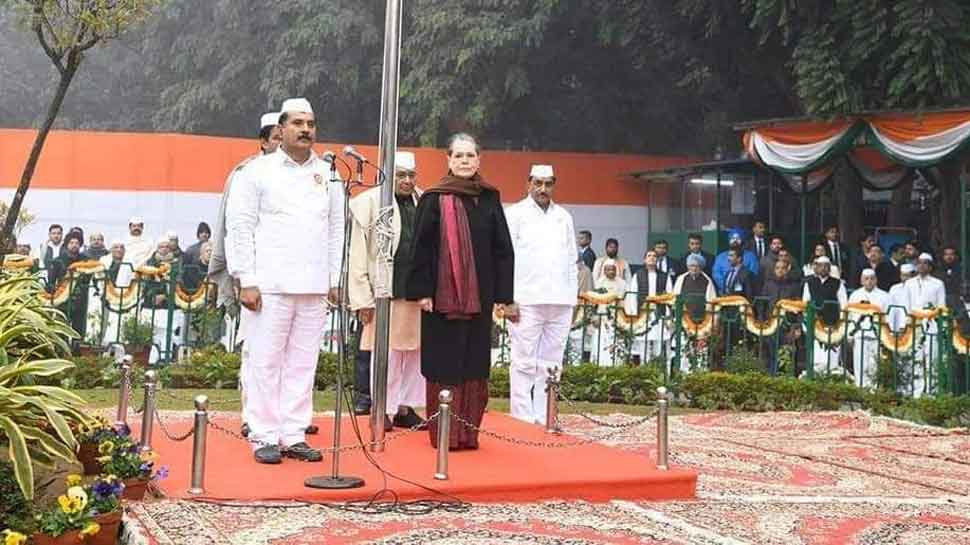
(35, 420)
(137, 336)
(89, 437)
(88, 514)
(121, 458)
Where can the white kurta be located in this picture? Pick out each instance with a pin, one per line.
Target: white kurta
(826, 359)
(865, 341)
(138, 250)
(651, 344)
(546, 282)
(603, 338)
(926, 292)
(285, 224)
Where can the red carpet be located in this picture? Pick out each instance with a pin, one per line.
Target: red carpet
(497, 472)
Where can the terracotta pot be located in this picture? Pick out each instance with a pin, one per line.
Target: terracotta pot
(108, 535)
(139, 353)
(135, 489)
(67, 538)
(110, 529)
(87, 454)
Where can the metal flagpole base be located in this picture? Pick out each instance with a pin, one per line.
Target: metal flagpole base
(334, 483)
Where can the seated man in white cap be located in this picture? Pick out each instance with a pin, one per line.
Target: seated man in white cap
(367, 281)
(545, 285)
(827, 294)
(926, 292)
(899, 300)
(285, 227)
(269, 138)
(865, 341)
(173, 244)
(138, 248)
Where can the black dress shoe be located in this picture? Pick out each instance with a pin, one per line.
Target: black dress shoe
(312, 429)
(244, 430)
(362, 406)
(270, 454)
(408, 420)
(303, 452)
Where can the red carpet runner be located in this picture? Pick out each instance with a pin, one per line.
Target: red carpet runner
(497, 472)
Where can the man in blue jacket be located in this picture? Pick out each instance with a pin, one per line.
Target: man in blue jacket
(722, 264)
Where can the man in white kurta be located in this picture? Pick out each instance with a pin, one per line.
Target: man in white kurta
(285, 227)
(138, 248)
(546, 281)
(218, 272)
(926, 292)
(865, 341)
(650, 282)
(367, 280)
(821, 290)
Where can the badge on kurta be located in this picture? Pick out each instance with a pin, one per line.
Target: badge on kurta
(318, 179)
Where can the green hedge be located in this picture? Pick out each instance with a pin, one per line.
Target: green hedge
(212, 367)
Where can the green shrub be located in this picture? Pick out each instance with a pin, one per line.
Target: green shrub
(15, 511)
(498, 382)
(326, 375)
(760, 392)
(135, 332)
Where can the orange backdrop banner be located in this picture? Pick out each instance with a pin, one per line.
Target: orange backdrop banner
(116, 161)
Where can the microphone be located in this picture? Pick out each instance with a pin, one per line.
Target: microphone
(349, 151)
(328, 156)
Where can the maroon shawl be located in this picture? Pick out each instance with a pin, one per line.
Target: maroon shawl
(456, 293)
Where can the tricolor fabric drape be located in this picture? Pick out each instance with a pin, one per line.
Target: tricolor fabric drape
(881, 148)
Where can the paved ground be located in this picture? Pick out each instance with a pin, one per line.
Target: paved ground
(775, 478)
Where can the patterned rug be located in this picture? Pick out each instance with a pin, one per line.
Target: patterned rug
(779, 478)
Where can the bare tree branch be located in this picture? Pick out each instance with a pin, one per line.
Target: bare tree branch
(55, 55)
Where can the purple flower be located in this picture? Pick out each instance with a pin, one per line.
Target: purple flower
(122, 429)
(162, 473)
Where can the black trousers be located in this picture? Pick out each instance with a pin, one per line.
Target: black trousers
(361, 366)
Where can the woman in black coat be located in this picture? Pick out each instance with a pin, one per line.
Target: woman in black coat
(462, 266)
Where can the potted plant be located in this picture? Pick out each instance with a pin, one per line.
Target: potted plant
(72, 519)
(35, 422)
(89, 436)
(137, 336)
(16, 513)
(121, 457)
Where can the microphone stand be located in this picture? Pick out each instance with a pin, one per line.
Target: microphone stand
(336, 481)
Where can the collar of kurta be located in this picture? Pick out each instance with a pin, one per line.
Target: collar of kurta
(289, 161)
(539, 208)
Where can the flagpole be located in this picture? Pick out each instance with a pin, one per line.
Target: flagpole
(386, 147)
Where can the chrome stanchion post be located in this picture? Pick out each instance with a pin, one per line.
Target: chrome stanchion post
(662, 407)
(148, 416)
(552, 401)
(124, 391)
(198, 444)
(444, 432)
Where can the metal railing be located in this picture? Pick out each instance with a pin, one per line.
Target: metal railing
(920, 352)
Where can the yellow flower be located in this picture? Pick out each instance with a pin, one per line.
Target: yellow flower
(106, 447)
(149, 456)
(13, 538)
(73, 480)
(103, 459)
(91, 529)
(65, 503)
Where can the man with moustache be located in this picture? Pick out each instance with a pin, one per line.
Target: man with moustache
(405, 384)
(138, 248)
(545, 287)
(285, 230)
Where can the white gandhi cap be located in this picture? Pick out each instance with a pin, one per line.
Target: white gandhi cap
(299, 105)
(268, 120)
(134, 220)
(925, 257)
(171, 234)
(404, 160)
(541, 171)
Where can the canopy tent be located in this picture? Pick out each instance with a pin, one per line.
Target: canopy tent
(883, 148)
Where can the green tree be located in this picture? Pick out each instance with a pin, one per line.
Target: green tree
(66, 30)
